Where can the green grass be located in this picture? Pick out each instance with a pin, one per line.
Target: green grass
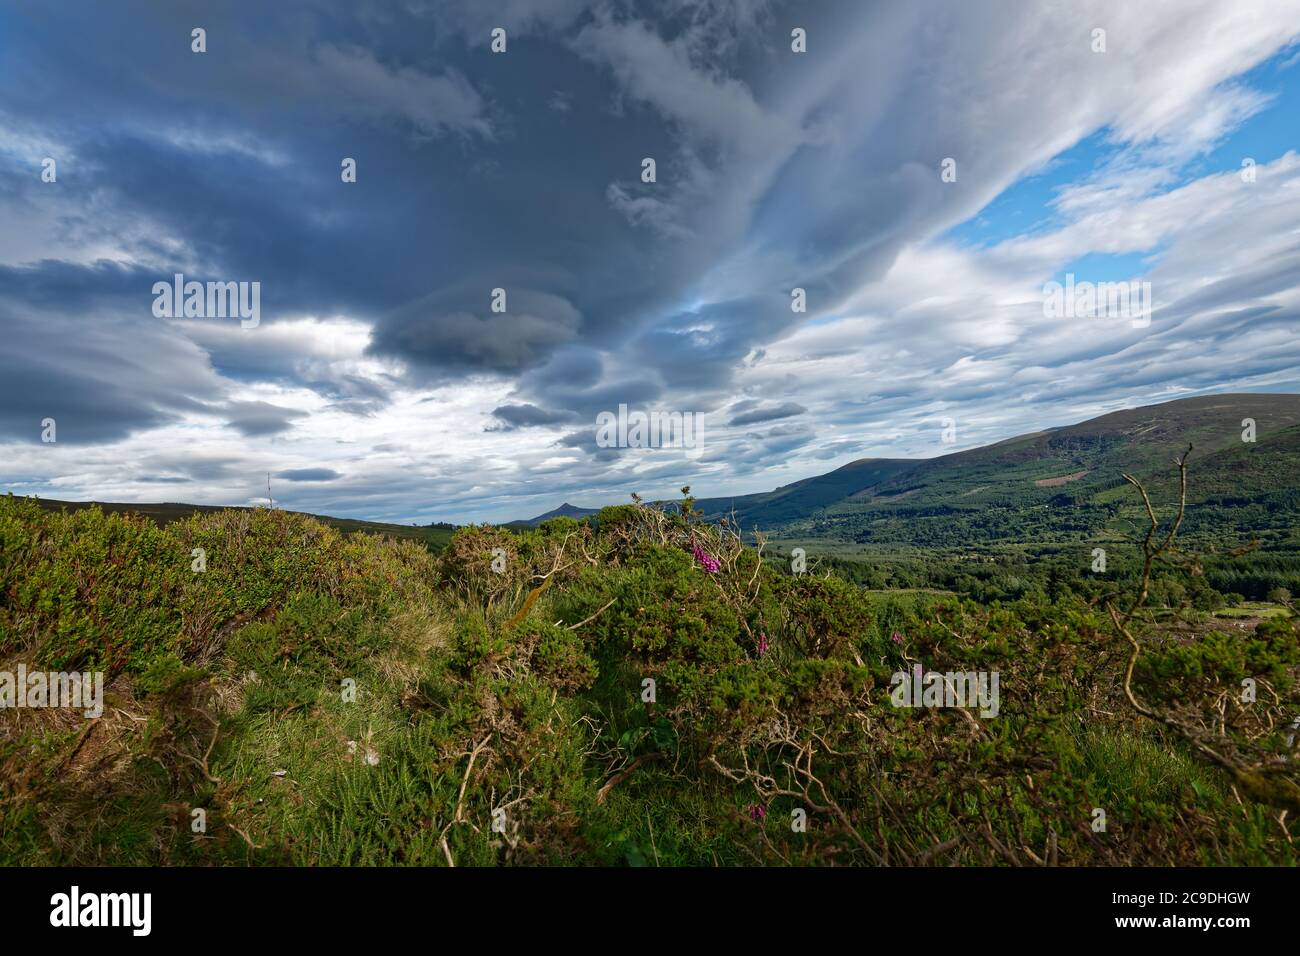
(1254, 609)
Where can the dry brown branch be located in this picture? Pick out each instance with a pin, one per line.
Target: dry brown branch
(925, 856)
(767, 788)
(588, 620)
(460, 797)
(247, 839)
(623, 774)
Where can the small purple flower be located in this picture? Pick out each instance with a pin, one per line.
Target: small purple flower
(706, 560)
(896, 638)
(757, 812)
(762, 644)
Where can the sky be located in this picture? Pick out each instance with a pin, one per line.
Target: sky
(922, 171)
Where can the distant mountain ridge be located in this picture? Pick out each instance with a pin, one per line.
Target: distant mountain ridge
(1080, 465)
(565, 510)
(801, 498)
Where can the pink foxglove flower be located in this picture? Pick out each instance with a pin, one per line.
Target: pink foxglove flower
(706, 560)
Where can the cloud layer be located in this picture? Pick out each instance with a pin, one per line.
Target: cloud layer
(438, 337)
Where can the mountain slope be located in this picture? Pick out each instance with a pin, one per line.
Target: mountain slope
(1070, 480)
(1060, 481)
(801, 498)
(1142, 441)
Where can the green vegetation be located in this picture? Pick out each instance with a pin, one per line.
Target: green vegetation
(1025, 515)
(335, 699)
(433, 536)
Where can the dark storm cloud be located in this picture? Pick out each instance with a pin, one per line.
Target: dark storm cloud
(85, 409)
(836, 449)
(524, 416)
(585, 440)
(74, 350)
(254, 419)
(308, 474)
(754, 413)
(457, 329)
(468, 180)
(185, 465)
(357, 395)
(191, 161)
(569, 367)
